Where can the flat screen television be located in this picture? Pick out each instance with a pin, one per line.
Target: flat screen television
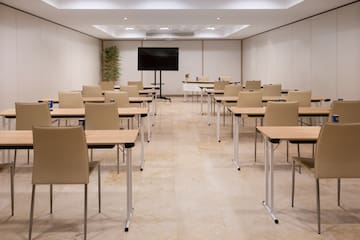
(165, 59)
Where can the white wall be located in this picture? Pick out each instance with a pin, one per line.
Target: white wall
(197, 57)
(222, 58)
(39, 58)
(321, 53)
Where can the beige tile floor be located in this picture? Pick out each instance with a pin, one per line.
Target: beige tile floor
(189, 189)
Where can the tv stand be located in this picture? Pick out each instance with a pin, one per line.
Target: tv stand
(160, 95)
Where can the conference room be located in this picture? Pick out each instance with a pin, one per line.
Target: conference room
(179, 119)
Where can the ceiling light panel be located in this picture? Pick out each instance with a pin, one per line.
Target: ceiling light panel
(175, 31)
(172, 4)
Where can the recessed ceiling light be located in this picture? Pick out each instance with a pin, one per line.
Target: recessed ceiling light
(125, 18)
(164, 28)
(129, 28)
(218, 18)
(210, 28)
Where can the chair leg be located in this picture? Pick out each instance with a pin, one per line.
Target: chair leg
(15, 153)
(338, 191)
(255, 139)
(118, 157)
(12, 189)
(287, 151)
(51, 198)
(123, 155)
(32, 210)
(85, 210)
(224, 116)
(28, 156)
(91, 155)
(293, 184)
(318, 203)
(298, 150)
(99, 187)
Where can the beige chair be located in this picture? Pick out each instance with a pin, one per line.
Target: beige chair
(302, 97)
(91, 91)
(230, 90)
(120, 98)
(10, 166)
(251, 99)
(282, 114)
(70, 100)
(61, 157)
(225, 78)
(139, 84)
(102, 116)
(107, 85)
(29, 115)
(220, 85)
(348, 111)
(253, 85)
(337, 156)
(272, 90)
(132, 91)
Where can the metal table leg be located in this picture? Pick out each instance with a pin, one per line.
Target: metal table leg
(129, 192)
(269, 203)
(236, 141)
(218, 121)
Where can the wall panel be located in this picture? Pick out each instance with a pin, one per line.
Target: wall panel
(323, 55)
(348, 51)
(320, 53)
(222, 58)
(39, 58)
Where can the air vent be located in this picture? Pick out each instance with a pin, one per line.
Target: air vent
(173, 34)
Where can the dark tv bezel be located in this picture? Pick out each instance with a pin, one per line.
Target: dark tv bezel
(159, 69)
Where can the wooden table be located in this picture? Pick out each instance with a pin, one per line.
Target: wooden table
(260, 112)
(102, 99)
(232, 99)
(273, 135)
(127, 138)
(80, 113)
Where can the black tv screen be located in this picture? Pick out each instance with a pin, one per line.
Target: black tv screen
(166, 59)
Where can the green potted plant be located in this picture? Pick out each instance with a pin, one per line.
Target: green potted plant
(110, 67)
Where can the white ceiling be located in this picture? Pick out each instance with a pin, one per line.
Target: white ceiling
(178, 19)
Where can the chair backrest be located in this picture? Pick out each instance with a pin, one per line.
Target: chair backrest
(91, 91)
(60, 156)
(202, 78)
(281, 114)
(220, 85)
(253, 85)
(232, 90)
(107, 85)
(272, 90)
(250, 99)
(101, 116)
(225, 78)
(120, 98)
(348, 111)
(29, 115)
(337, 153)
(302, 97)
(133, 91)
(70, 100)
(139, 84)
